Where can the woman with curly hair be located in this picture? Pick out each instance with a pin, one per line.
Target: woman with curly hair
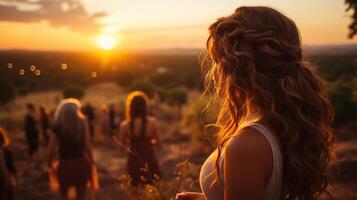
(275, 139)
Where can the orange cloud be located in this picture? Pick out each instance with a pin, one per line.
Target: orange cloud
(64, 13)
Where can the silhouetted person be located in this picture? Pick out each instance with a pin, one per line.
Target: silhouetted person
(88, 111)
(31, 129)
(72, 139)
(114, 119)
(140, 133)
(104, 121)
(7, 168)
(45, 124)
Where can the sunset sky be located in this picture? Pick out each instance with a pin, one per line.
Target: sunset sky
(150, 24)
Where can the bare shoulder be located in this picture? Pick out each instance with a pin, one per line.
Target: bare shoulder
(248, 143)
(247, 165)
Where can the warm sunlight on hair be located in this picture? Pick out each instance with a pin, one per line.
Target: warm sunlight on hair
(107, 42)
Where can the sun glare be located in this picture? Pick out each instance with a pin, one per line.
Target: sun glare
(107, 42)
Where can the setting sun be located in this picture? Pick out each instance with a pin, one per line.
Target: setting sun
(107, 42)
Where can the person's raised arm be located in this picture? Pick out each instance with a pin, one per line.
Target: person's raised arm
(247, 160)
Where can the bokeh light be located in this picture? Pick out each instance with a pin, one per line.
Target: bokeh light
(10, 65)
(64, 66)
(94, 74)
(37, 72)
(22, 72)
(32, 68)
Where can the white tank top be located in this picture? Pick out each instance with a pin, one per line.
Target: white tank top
(214, 190)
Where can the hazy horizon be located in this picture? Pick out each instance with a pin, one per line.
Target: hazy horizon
(123, 25)
(330, 48)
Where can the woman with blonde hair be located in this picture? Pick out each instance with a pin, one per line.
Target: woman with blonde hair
(140, 133)
(70, 134)
(275, 140)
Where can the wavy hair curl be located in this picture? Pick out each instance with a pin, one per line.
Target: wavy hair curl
(256, 59)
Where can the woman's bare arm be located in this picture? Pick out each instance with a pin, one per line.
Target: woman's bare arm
(247, 162)
(190, 196)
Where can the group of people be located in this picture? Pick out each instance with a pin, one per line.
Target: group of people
(34, 125)
(275, 139)
(68, 140)
(38, 124)
(8, 172)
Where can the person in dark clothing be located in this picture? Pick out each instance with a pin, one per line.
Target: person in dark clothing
(31, 129)
(8, 172)
(104, 121)
(45, 123)
(113, 119)
(112, 114)
(140, 133)
(88, 111)
(70, 138)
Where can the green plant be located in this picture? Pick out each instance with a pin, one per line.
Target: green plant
(177, 96)
(352, 5)
(143, 85)
(343, 101)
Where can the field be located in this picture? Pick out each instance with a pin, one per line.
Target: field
(175, 77)
(111, 162)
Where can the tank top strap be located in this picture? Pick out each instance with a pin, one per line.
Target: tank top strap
(274, 185)
(268, 136)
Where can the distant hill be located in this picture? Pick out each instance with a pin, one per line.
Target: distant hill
(310, 50)
(331, 49)
(169, 51)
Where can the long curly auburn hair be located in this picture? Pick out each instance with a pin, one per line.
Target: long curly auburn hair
(256, 58)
